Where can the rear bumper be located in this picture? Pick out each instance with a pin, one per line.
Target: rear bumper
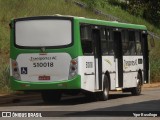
(74, 83)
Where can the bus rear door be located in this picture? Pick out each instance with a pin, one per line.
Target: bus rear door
(96, 37)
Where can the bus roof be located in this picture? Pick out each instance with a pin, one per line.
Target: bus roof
(97, 22)
(110, 23)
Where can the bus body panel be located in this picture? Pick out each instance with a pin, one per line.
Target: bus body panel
(46, 67)
(74, 83)
(38, 79)
(109, 65)
(131, 66)
(86, 68)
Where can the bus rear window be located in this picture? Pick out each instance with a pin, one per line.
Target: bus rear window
(43, 33)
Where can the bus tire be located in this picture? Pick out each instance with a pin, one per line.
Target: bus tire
(104, 95)
(51, 96)
(137, 90)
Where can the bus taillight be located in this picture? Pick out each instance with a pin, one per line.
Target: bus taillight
(74, 62)
(15, 70)
(73, 68)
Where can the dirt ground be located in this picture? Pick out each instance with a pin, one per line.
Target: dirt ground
(152, 85)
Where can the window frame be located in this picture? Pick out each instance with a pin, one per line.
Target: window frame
(125, 39)
(89, 39)
(44, 18)
(140, 42)
(121, 30)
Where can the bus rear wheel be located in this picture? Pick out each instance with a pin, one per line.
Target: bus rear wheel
(51, 96)
(137, 90)
(104, 95)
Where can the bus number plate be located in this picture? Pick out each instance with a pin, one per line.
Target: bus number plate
(44, 78)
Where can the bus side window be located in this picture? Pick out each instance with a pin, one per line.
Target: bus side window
(125, 42)
(138, 43)
(86, 42)
(104, 42)
(110, 40)
(132, 46)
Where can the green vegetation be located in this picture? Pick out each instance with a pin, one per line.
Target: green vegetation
(22, 8)
(147, 9)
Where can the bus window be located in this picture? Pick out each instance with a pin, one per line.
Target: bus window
(104, 41)
(110, 42)
(132, 46)
(43, 33)
(86, 41)
(138, 43)
(125, 42)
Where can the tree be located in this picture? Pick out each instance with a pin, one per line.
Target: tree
(148, 9)
(136, 7)
(152, 13)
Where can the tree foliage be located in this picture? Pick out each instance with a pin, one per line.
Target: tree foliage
(148, 9)
(152, 13)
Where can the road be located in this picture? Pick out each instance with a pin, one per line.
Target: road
(118, 103)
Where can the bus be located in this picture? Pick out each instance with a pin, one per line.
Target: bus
(59, 54)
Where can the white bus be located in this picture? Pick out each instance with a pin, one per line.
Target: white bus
(58, 54)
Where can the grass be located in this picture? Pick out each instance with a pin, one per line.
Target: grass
(22, 8)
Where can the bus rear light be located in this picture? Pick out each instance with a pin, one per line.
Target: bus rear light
(14, 64)
(72, 75)
(73, 68)
(74, 62)
(15, 70)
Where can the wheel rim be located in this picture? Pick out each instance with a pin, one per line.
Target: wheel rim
(105, 92)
